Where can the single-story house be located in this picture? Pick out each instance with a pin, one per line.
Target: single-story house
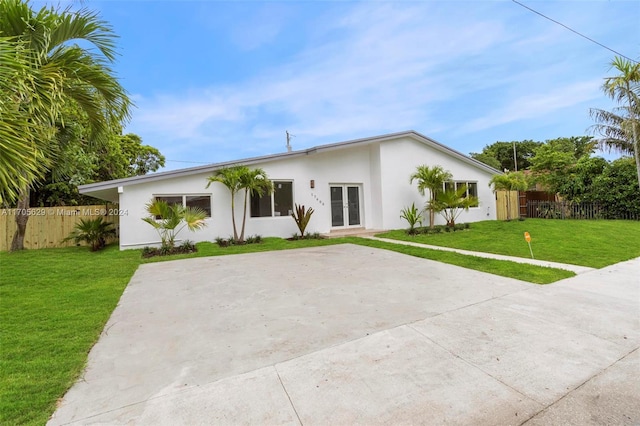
(362, 183)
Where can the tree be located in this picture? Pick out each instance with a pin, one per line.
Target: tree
(166, 218)
(20, 163)
(57, 73)
(452, 202)
(499, 155)
(256, 182)
(620, 129)
(615, 190)
(556, 157)
(237, 178)
(577, 184)
(432, 179)
(121, 156)
(512, 181)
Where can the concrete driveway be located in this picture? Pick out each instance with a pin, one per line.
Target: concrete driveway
(354, 335)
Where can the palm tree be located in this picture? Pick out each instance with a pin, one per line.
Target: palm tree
(237, 178)
(513, 181)
(620, 129)
(231, 178)
(94, 232)
(19, 162)
(256, 182)
(165, 219)
(452, 202)
(57, 73)
(433, 179)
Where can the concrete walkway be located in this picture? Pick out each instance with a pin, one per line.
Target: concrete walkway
(350, 334)
(574, 268)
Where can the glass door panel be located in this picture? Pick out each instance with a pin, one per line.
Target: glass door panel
(337, 206)
(353, 199)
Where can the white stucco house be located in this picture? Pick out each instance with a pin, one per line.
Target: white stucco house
(361, 183)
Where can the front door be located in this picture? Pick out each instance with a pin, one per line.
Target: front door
(345, 206)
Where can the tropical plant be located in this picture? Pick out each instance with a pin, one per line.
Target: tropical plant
(169, 219)
(620, 128)
(452, 202)
(413, 216)
(45, 73)
(237, 178)
(94, 232)
(302, 216)
(512, 181)
(432, 179)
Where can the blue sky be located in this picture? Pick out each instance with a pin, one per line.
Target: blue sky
(216, 81)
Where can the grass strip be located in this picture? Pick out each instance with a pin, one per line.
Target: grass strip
(521, 271)
(592, 243)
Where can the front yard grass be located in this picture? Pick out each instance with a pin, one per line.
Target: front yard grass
(55, 303)
(593, 243)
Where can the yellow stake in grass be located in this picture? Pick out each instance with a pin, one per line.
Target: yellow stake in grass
(527, 238)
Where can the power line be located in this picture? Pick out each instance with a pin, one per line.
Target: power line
(574, 31)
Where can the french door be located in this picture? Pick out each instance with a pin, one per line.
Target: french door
(345, 206)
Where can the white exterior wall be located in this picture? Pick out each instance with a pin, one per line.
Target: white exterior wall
(381, 169)
(399, 159)
(344, 166)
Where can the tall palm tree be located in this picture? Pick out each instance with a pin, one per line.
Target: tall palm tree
(58, 73)
(256, 182)
(621, 128)
(513, 181)
(19, 162)
(432, 179)
(231, 178)
(237, 178)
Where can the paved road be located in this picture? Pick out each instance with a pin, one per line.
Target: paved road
(355, 335)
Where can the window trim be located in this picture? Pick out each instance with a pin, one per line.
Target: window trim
(272, 215)
(184, 199)
(463, 182)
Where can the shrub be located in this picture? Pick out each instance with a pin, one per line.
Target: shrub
(413, 217)
(302, 217)
(166, 220)
(94, 232)
(184, 248)
(253, 239)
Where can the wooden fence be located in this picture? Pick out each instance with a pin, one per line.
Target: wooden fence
(501, 204)
(48, 226)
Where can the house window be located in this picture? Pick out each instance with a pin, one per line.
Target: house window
(280, 203)
(472, 188)
(201, 201)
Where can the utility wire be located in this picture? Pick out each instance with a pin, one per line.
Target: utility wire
(574, 31)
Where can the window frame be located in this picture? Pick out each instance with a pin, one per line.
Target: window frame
(272, 214)
(456, 184)
(184, 200)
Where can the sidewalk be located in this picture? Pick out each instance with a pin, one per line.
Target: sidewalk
(574, 268)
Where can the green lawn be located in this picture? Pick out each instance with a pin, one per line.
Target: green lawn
(53, 306)
(594, 243)
(55, 302)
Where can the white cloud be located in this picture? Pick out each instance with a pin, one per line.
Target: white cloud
(370, 68)
(535, 105)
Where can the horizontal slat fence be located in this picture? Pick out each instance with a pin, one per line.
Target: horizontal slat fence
(48, 226)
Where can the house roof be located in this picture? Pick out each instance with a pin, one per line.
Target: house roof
(107, 190)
